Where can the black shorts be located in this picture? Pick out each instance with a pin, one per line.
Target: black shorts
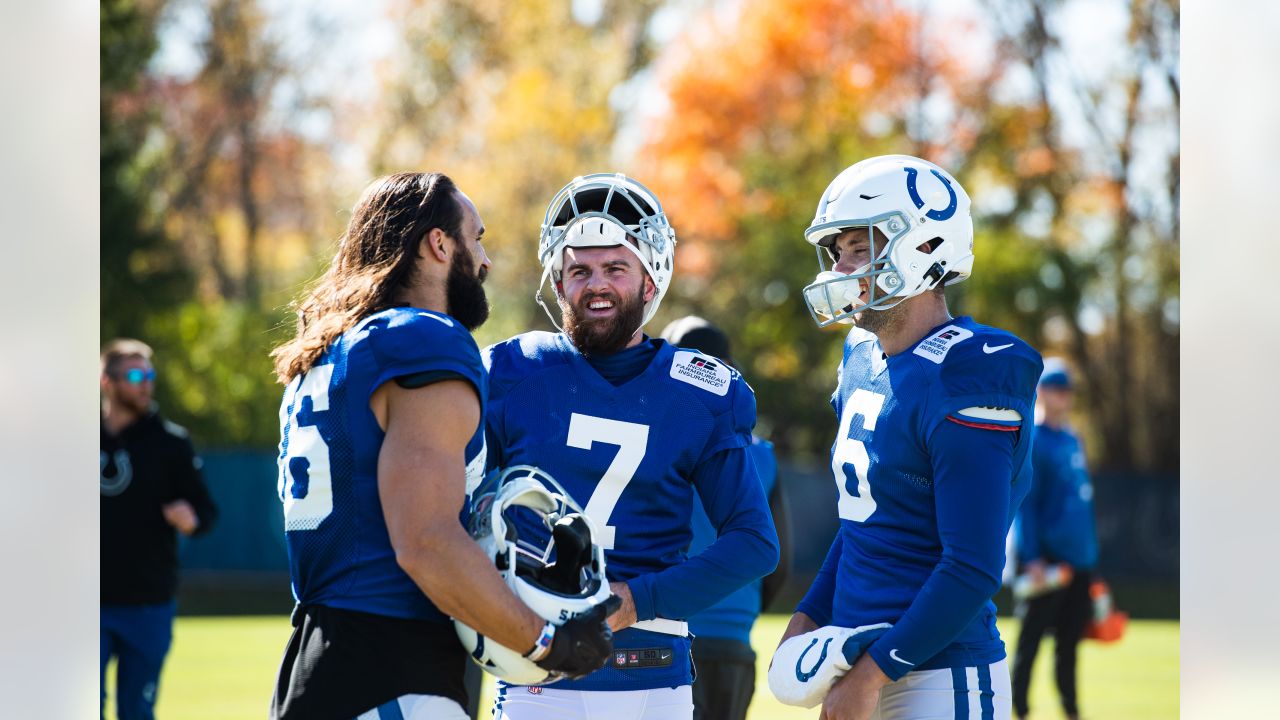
(726, 678)
(340, 663)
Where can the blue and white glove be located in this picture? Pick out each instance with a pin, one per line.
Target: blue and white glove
(805, 667)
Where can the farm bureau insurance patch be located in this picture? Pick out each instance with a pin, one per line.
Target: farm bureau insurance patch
(936, 346)
(701, 371)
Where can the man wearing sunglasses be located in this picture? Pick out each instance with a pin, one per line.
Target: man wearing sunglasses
(151, 490)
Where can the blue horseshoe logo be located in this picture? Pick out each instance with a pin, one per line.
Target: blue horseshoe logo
(939, 215)
(803, 676)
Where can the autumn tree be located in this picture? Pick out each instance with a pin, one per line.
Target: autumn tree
(512, 100)
(767, 104)
(764, 108)
(140, 271)
(233, 194)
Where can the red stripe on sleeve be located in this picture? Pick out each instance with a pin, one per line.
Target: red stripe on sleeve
(983, 426)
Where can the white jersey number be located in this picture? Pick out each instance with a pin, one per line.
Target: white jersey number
(305, 445)
(856, 501)
(632, 440)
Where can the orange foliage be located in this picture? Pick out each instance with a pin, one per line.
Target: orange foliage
(779, 77)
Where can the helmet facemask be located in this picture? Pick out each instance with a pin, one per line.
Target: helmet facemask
(836, 297)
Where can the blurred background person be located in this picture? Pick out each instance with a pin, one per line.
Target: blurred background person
(1056, 541)
(152, 489)
(722, 652)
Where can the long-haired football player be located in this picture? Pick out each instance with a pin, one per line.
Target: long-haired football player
(630, 426)
(931, 459)
(381, 440)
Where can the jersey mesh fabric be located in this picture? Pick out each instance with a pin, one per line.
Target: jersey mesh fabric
(347, 561)
(544, 392)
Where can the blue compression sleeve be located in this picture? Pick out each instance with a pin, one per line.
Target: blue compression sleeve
(973, 473)
(746, 546)
(818, 602)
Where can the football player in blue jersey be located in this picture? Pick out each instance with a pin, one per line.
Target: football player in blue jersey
(381, 439)
(631, 426)
(1055, 529)
(931, 459)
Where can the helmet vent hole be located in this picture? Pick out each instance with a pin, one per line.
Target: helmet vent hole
(929, 246)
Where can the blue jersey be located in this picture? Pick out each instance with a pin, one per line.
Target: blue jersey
(632, 455)
(733, 616)
(340, 553)
(931, 459)
(1056, 521)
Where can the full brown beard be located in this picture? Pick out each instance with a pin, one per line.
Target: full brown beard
(465, 300)
(603, 336)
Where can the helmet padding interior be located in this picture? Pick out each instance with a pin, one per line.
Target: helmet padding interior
(593, 200)
(571, 540)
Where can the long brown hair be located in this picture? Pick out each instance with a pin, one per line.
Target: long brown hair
(375, 261)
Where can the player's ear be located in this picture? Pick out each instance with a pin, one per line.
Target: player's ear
(649, 288)
(435, 244)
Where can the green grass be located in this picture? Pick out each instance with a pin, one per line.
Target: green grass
(223, 669)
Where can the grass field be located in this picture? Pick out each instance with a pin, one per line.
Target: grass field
(222, 669)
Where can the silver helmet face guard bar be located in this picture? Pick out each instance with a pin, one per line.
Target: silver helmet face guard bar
(825, 296)
(651, 229)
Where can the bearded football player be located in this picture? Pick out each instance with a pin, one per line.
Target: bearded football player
(381, 441)
(631, 426)
(931, 460)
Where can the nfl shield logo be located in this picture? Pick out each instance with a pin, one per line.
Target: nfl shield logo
(620, 658)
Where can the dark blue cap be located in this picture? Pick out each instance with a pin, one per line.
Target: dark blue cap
(1056, 374)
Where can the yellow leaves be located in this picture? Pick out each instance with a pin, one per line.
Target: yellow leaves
(777, 363)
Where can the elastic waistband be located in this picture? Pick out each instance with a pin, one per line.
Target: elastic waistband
(666, 627)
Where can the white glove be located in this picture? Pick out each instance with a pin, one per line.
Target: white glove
(805, 667)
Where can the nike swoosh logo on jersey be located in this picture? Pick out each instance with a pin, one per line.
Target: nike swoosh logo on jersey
(894, 655)
(988, 349)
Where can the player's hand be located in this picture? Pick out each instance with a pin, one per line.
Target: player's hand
(582, 644)
(855, 696)
(806, 667)
(625, 617)
(799, 624)
(181, 515)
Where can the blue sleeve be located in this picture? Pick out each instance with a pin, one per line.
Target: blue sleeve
(745, 549)
(414, 341)
(817, 603)
(973, 475)
(735, 422)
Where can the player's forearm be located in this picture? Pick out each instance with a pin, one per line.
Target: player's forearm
(421, 489)
(451, 570)
(817, 602)
(972, 478)
(944, 607)
(738, 557)
(799, 624)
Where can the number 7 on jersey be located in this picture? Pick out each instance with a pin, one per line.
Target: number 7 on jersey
(632, 440)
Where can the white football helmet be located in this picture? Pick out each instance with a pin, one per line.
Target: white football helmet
(557, 588)
(920, 229)
(604, 210)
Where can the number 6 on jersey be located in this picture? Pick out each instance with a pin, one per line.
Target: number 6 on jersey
(632, 440)
(856, 502)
